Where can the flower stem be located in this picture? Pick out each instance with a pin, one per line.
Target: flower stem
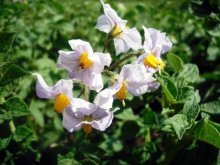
(117, 64)
(108, 72)
(108, 39)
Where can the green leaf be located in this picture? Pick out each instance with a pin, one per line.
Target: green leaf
(211, 107)
(190, 73)
(175, 62)
(178, 123)
(67, 159)
(191, 108)
(186, 93)
(16, 107)
(5, 142)
(208, 132)
(6, 40)
(169, 88)
(35, 107)
(215, 32)
(13, 73)
(127, 114)
(150, 117)
(23, 133)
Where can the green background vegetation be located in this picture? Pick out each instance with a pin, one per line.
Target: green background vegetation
(177, 122)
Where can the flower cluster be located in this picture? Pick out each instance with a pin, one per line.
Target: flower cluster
(86, 66)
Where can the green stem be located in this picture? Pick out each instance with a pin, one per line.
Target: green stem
(106, 44)
(109, 73)
(117, 64)
(86, 93)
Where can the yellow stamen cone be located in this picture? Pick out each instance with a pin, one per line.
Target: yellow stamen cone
(121, 94)
(61, 102)
(151, 61)
(87, 128)
(84, 61)
(115, 31)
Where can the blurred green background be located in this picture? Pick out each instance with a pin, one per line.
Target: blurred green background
(39, 29)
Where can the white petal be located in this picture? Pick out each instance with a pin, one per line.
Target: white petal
(103, 122)
(45, 91)
(111, 14)
(68, 60)
(132, 38)
(120, 46)
(42, 89)
(156, 42)
(153, 86)
(70, 121)
(95, 82)
(148, 45)
(63, 86)
(84, 107)
(141, 58)
(81, 46)
(105, 98)
(136, 78)
(105, 58)
(104, 24)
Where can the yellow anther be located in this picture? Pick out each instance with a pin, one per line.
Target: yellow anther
(61, 102)
(121, 94)
(153, 62)
(115, 32)
(87, 128)
(84, 61)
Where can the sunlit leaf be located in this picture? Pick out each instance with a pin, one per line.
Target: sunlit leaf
(175, 62)
(178, 123)
(207, 131)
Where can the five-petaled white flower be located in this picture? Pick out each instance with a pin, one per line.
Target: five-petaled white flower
(155, 44)
(84, 64)
(87, 116)
(133, 77)
(124, 38)
(61, 92)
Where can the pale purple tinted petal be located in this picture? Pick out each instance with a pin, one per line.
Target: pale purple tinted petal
(81, 46)
(136, 78)
(70, 120)
(104, 99)
(120, 46)
(96, 82)
(68, 60)
(141, 58)
(104, 24)
(132, 38)
(63, 86)
(111, 14)
(148, 45)
(156, 42)
(84, 107)
(103, 122)
(42, 89)
(153, 86)
(105, 58)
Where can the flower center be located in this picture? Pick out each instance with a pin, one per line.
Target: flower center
(153, 62)
(121, 94)
(116, 31)
(84, 61)
(61, 102)
(87, 128)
